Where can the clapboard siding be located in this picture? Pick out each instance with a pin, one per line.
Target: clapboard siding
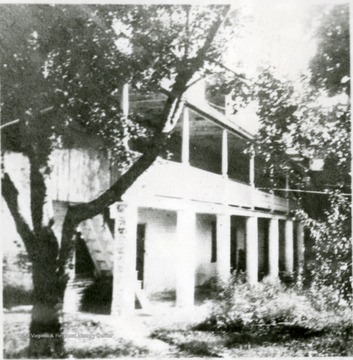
(79, 175)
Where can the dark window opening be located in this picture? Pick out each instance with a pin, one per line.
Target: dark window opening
(263, 243)
(140, 252)
(214, 243)
(233, 248)
(281, 261)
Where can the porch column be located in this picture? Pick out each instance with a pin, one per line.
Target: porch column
(288, 247)
(252, 176)
(287, 193)
(223, 246)
(225, 153)
(185, 267)
(124, 273)
(185, 148)
(125, 100)
(300, 248)
(252, 169)
(252, 249)
(273, 250)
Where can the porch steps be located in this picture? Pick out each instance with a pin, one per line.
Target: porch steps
(99, 241)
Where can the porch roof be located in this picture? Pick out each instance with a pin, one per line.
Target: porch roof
(207, 111)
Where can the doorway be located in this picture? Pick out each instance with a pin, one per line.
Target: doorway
(140, 252)
(238, 244)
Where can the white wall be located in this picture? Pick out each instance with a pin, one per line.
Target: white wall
(160, 250)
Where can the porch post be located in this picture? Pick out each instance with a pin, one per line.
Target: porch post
(223, 246)
(252, 249)
(273, 250)
(125, 100)
(287, 193)
(225, 153)
(124, 273)
(252, 167)
(300, 248)
(185, 148)
(288, 247)
(185, 269)
(252, 176)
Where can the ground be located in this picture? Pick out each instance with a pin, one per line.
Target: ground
(168, 332)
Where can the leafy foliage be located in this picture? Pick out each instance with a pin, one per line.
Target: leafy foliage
(259, 308)
(330, 66)
(298, 124)
(76, 59)
(296, 127)
(332, 237)
(243, 306)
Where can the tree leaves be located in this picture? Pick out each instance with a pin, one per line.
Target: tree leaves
(330, 66)
(73, 57)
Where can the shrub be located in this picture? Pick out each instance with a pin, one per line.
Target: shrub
(332, 247)
(240, 306)
(16, 295)
(97, 297)
(17, 281)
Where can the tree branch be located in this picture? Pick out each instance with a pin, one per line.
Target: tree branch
(10, 194)
(212, 32)
(38, 192)
(170, 114)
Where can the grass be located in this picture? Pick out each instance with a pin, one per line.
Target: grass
(268, 320)
(94, 338)
(184, 338)
(14, 296)
(189, 333)
(271, 343)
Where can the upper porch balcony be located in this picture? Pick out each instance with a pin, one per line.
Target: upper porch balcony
(206, 163)
(169, 180)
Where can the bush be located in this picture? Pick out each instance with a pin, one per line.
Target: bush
(331, 270)
(97, 297)
(240, 306)
(15, 295)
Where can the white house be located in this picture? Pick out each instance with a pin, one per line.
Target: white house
(187, 219)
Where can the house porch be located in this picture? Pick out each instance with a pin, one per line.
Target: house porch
(185, 248)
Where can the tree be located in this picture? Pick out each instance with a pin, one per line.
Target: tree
(74, 60)
(331, 65)
(298, 121)
(332, 248)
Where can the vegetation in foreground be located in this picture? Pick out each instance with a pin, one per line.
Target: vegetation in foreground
(268, 320)
(95, 338)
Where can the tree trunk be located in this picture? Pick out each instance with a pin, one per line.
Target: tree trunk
(46, 338)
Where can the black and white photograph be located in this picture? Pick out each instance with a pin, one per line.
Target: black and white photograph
(176, 179)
